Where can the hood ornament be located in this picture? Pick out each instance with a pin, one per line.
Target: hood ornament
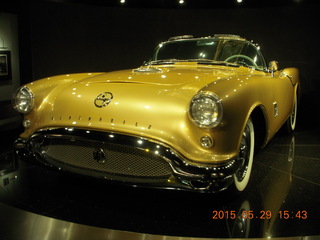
(147, 69)
(103, 99)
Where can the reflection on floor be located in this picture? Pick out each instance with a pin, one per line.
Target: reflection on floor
(282, 200)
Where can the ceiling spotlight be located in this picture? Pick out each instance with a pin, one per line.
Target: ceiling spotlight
(122, 1)
(181, 1)
(239, 1)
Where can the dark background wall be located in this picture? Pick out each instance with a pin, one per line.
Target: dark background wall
(74, 37)
(58, 38)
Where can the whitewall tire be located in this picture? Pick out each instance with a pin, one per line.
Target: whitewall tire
(246, 153)
(292, 120)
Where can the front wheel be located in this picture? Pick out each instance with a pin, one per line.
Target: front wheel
(246, 152)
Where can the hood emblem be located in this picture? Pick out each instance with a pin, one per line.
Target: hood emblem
(103, 99)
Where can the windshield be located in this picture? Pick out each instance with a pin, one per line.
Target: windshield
(210, 51)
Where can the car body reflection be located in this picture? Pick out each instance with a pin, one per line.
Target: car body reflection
(261, 217)
(254, 213)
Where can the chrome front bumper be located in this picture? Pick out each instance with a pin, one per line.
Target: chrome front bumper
(123, 158)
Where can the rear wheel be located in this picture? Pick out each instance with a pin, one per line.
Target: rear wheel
(292, 120)
(246, 153)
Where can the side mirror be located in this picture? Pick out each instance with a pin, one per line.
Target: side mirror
(273, 67)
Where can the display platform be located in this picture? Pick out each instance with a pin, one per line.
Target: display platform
(282, 201)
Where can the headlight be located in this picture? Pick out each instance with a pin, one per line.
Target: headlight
(206, 110)
(22, 100)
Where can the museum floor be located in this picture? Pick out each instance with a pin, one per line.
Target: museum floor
(282, 200)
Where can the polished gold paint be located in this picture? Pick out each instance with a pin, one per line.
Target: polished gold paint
(153, 102)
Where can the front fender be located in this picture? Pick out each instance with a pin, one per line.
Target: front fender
(240, 96)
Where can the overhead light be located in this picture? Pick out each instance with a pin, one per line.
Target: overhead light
(181, 1)
(239, 1)
(122, 1)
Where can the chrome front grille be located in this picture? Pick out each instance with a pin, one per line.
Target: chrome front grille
(129, 159)
(108, 159)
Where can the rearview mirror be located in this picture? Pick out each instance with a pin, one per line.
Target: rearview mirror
(273, 67)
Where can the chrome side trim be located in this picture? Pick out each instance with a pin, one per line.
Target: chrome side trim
(275, 109)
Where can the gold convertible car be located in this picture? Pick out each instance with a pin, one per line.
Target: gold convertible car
(189, 118)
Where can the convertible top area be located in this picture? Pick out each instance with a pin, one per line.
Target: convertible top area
(221, 48)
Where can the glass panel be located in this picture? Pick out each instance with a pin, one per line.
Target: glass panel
(233, 51)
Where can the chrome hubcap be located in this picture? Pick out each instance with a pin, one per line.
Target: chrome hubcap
(244, 154)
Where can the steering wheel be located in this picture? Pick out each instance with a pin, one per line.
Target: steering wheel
(242, 56)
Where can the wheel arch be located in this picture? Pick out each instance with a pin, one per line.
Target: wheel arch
(260, 126)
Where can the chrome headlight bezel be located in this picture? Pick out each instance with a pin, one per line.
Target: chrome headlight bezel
(23, 100)
(206, 110)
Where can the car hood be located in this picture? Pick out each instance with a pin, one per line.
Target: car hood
(151, 102)
(176, 74)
